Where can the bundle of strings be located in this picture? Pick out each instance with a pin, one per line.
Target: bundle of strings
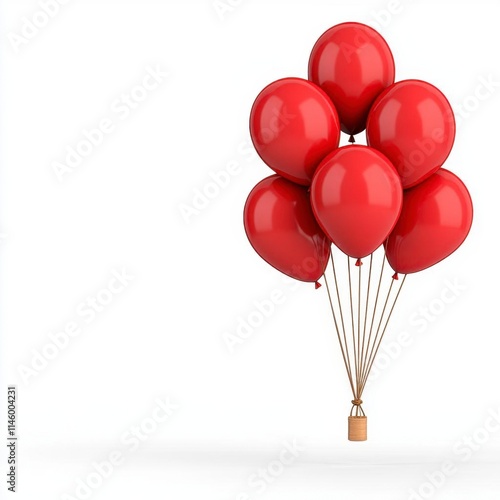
(361, 330)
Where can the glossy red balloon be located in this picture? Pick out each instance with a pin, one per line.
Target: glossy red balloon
(412, 123)
(282, 229)
(353, 64)
(435, 220)
(294, 125)
(356, 197)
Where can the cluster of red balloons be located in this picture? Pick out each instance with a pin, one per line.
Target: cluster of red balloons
(391, 192)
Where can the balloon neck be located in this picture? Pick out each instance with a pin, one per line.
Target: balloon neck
(359, 263)
(351, 139)
(317, 285)
(395, 276)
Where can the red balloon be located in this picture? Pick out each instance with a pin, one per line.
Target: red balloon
(435, 220)
(356, 197)
(353, 64)
(282, 229)
(294, 125)
(412, 123)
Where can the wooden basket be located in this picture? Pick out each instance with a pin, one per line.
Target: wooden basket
(357, 428)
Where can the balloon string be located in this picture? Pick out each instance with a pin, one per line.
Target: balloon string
(380, 322)
(373, 317)
(359, 326)
(356, 403)
(355, 351)
(365, 341)
(368, 288)
(346, 362)
(383, 331)
(342, 321)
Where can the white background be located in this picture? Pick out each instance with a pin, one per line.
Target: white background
(163, 336)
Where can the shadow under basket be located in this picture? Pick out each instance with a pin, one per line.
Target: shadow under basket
(357, 428)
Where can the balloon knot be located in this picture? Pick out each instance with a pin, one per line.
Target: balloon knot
(317, 285)
(395, 276)
(359, 263)
(351, 139)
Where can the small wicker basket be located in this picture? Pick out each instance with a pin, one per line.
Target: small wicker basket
(357, 428)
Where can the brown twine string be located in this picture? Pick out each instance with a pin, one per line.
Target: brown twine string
(347, 365)
(359, 324)
(356, 403)
(365, 342)
(352, 325)
(374, 310)
(342, 321)
(366, 311)
(379, 325)
(383, 332)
